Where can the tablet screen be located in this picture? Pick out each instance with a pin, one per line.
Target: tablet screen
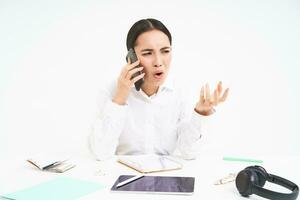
(157, 184)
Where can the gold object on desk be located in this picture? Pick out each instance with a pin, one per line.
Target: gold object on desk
(227, 179)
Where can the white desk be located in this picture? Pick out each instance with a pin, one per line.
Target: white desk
(17, 174)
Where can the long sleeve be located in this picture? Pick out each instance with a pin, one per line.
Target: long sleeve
(106, 129)
(189, 132)
(189, 138)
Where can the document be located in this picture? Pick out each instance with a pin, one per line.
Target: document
(150, 163)
(52, 163)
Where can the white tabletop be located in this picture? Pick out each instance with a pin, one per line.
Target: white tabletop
(17, 174)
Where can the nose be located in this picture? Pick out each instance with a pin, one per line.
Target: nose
(157, 61)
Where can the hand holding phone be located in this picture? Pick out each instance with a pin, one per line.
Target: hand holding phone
(133, 58)
(130, 74)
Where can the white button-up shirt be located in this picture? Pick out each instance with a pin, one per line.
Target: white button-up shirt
(164, 123)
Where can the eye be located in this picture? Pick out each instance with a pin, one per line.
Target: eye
(146, 53)
(166, 51)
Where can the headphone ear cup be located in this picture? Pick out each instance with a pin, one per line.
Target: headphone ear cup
(261, 174)
(243, 182)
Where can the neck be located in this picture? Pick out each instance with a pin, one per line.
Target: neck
(149, 90)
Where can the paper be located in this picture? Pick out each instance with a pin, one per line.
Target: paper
(52, 163)
(150, 163)
(42, 161)
(62, 188)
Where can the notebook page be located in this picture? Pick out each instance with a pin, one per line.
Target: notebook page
(150, 163)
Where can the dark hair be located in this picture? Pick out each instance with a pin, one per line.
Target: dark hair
(142, 26)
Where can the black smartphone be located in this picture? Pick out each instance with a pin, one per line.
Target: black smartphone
(132, 55)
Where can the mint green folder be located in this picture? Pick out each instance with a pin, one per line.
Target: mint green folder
(62, 188)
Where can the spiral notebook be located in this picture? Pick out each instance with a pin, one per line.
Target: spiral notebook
(150, 163)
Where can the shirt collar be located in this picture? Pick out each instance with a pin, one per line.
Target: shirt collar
(167, 84)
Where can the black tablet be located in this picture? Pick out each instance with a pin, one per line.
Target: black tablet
(156, 184)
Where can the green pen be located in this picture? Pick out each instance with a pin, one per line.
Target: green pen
(242, 159)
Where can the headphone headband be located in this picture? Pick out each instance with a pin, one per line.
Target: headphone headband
(283, 182)
(253, 186)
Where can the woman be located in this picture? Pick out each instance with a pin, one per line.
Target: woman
(158, 118)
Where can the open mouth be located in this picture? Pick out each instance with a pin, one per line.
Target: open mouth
(158, 75)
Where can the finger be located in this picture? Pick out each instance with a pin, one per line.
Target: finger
(128, 60)
(215, 98)
(133, 65)
(127, 68)
(135, 79)
(207, 92)
(202, 95)
(132, 72)
(124, 72)
(220, 87)
(223, 98)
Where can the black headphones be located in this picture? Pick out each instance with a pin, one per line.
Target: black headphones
(252, 179)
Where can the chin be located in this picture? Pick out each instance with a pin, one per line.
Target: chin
(154, 82)
(159, 83)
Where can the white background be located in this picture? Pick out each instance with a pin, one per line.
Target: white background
(56, 55)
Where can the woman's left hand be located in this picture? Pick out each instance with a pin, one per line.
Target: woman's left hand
(207, 101)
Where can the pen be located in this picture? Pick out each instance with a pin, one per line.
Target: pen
(242, 159)
(129, 180)
(51, 165)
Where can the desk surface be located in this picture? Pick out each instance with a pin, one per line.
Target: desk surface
(17, 174)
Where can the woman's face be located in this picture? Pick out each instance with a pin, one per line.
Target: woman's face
(153, 49)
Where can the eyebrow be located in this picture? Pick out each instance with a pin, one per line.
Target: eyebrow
(164, 48)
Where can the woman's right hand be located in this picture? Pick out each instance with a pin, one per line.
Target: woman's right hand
(125, 82)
